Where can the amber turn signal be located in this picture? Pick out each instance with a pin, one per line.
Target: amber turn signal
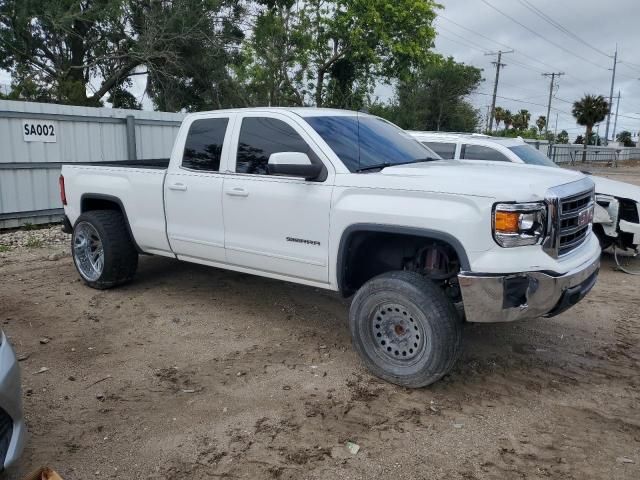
(507, 222)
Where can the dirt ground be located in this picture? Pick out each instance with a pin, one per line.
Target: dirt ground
(194, 373)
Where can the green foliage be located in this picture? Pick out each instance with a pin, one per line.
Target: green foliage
(329, 53)
(433, 98)
(588, 111)
(77, 53)
(541, 122)
(4, 248)
(562, 137)
(625, 139)
(499, 115)
(33, 242)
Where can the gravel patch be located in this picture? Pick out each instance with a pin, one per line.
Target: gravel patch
(50, 236)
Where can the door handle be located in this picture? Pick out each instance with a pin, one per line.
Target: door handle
(178, 186)
(237, 192)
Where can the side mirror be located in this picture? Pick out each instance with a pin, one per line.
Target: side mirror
(293, 164)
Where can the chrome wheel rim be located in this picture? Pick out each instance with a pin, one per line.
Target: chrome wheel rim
(88, 252)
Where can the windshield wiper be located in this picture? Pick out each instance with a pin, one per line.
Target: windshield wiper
(380, 166)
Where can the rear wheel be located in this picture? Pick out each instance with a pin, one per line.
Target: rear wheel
(102, 250)
(405, 329)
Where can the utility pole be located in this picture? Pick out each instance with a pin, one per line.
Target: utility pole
(498, 65)
(555, 131)
(553, 75)
(615, 122)
(613, 79)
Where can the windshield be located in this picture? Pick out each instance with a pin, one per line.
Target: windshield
(363, 141)
(531, 156)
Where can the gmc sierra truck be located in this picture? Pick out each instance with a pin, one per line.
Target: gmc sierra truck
(349, 202)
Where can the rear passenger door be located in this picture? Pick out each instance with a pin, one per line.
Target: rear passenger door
(481, 152)
(275, 224)
(446, 150)
(193, 191)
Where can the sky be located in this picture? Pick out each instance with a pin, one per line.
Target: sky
(576, 37)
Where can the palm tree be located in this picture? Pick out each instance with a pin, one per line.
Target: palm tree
(507, 118)
(521, 120)
(498, 115)
(624, 137)
(588, 111)
(541, 122)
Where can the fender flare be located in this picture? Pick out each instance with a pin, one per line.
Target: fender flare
(117, 201)
(348, 232)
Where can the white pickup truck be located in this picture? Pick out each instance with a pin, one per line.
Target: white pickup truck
(348, 202)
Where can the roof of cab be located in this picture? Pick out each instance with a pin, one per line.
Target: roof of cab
(301, 111)
(470, 137)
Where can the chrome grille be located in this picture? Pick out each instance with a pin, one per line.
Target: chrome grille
(571, 233)
(569, 204)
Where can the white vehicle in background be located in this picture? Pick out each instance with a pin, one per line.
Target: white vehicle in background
(617, 212)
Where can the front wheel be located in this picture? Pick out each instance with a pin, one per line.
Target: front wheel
(405, 329)
(102, 250)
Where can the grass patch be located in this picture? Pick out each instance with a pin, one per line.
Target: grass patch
(4, 248)
(29, 226)
(33, 242)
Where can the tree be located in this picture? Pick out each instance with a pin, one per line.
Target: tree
(625, 139)
(80, 52)
(521, 120)
(365, 39)
(433, 97)
(507, 119)
(563, 137)
(498, 115)
(588, 111)
(541, 122)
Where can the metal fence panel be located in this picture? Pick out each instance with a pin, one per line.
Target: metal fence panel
(29, 170)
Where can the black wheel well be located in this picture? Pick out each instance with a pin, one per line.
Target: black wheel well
(88, 203)
(367, 252)
(96, 201)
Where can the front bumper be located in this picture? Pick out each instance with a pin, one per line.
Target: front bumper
(520, 296)
(12, 427)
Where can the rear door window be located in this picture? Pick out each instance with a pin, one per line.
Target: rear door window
(445, 150)
(480, 152)
(203, 147)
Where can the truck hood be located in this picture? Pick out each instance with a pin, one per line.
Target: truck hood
(508, 181)
(615, 188)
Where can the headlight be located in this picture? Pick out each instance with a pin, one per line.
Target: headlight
(517, 224)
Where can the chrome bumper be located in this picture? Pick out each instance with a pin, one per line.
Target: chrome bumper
(520, 296)
(12, 434)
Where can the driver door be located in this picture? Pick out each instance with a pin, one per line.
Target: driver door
(275, 224)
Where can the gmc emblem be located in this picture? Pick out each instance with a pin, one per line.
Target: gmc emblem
(585, 216)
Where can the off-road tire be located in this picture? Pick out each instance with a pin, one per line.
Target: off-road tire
(387, 315)
(120, 255)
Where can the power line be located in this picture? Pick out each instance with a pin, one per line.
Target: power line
(518, 52)
(461, 43)
(557, 45)
(559, 26)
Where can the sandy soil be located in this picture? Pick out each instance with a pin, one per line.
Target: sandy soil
(194, 373)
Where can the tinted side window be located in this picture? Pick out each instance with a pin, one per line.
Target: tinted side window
(260, 137)
(445, 150)
(203, 147)
(479, 152)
